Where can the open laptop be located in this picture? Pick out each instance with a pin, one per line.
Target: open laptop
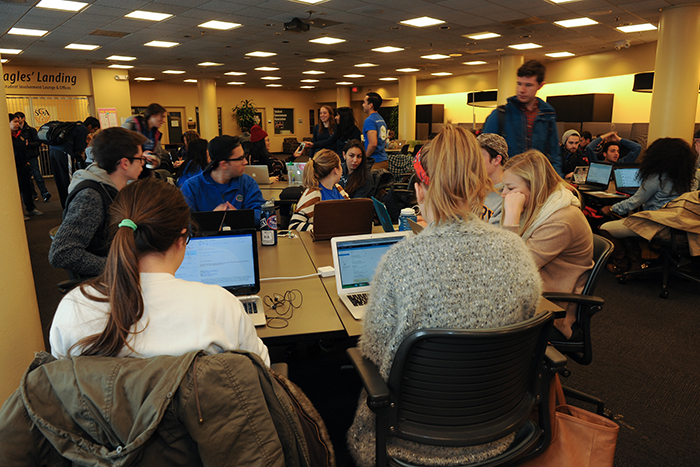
(383, 215)
(626, 180)
(340, 217)
(209, 222)
(295, 173)
(228, 259)
(260, 173)
(598, 177)
(355, 258)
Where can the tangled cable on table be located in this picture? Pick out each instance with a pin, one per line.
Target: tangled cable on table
(284, 306)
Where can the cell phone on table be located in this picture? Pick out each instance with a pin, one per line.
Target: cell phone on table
(301, 147)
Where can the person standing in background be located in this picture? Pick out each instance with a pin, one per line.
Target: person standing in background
(374, 131)
(19, 147)
(30, 136)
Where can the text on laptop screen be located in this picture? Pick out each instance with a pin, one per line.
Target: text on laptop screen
(227, 261)
(626, 178)
(358, 259)
(599, 173)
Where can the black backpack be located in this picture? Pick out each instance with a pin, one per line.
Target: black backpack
(55, 133)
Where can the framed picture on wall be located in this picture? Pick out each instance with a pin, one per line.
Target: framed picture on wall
(260, 118)
(284, 121)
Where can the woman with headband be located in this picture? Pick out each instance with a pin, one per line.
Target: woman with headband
(137, 308)
(458, 273)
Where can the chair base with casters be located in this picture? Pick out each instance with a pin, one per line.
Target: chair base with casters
(461, 388)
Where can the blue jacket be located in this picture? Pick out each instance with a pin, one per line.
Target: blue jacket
(545, 136)
(202, 193)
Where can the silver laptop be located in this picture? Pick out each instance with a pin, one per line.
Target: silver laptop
(260, 173)
(228, 259)
(597, 178)
(355, 258)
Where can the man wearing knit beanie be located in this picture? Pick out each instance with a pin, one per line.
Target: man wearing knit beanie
(572, 155)
(495, 151)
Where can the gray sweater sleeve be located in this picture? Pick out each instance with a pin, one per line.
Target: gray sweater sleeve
(68, 250)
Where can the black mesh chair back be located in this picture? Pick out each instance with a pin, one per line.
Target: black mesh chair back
(602, 248)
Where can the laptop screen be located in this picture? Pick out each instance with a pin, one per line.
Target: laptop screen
(626, 177)
(358, 259)
(229, 260)
(599, 173)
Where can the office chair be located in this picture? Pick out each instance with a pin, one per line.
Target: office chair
(74, 279)
(462, 388)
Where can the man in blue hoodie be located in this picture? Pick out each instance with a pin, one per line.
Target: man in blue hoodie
(526, 121)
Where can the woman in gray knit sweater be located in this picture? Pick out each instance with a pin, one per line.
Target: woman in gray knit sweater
(460, 273)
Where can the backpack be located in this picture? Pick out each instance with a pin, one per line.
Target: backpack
(55, 133)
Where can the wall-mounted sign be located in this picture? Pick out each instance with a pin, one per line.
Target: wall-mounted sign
(284, 121)
(46, 81)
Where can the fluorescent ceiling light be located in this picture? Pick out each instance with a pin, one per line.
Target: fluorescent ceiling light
(220, 25)
(560, 54)
(310, 2)
(27, 32)
(209, 64)
(271, 78)
(407, 70)
(10, 51)
(327, 40)
(366, 65)
(4, 60)
(482, 35)
(266, 68)
(309, 81)
(313, 72)
(637, 27)
(388, 79)
(442, 73)
(236, 83)
(343, 83)
(258, 53)
(319, 60)
(527, 45)
(143, 78)
(148, 15)
(273, 85)
(422, 22)
(81, 47)
(163, 44)
(353, 76)
(62, 5)
(556, 2)
(307, 87)
(574, 23)
(125, 67)
(388, 49)
(435, 57)
(173, 72)
(475, 62)
(189, 80)
(235, 73)
(122, 58)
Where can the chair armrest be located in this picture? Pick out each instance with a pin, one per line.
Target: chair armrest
(377, 390)
(573, 298)
(554, 359)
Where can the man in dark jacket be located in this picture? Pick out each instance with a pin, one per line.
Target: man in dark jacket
(33, 144)
(24, 177)
(571, 153)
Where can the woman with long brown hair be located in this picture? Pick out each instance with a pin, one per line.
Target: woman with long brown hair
(357, 177)
(325, 134)
(137, 307)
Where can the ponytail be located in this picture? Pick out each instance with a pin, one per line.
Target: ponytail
(318, 168)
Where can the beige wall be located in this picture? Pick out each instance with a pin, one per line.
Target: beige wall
(109, 93)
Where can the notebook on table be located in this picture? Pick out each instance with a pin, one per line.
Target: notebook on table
(383, 215)
(340, 217)
(230, 260)
(598, 177)
(355, 258)
(260, 173)
(626, 180)
(209, 222)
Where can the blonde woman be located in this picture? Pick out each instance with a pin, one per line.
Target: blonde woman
(540, 207)
(458, 273)
(321, 177)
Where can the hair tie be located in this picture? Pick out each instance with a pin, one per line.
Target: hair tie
(128, 223)
(420, 171)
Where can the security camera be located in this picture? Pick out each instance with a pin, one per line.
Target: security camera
(622, 45)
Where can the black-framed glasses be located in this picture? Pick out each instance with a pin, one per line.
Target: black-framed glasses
(142, 159)
(236, 159)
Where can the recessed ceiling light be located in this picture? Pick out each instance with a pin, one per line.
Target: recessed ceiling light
(388, 79)
(209, 64)
(271, 78)
(27, 32)
(307, 87)
(407, 70)
(422, 22)
(122, 58)
(482, 35)
(81, 47)
(475, 62)
(173, 72)
(258, 53)
(435, 57)
(63, 5)
(561, 1)
(310, 2)
(528, 45)
(637, 27)
(574, 23)
(10, 51)
(442, 73)
(117, 65)
(319, 60)
(189, 80)
(353, 76)
(387, 49)
(148, 15)
(313, 72)
(163, 44)
(344, 83)
(327, 40)
(309, 81)
(236, 83)
(366, 65)
(235, 73)
(266, 68)
(220, 25)
(4, 60)
(560, 54)
(273, 85)
(143, 78)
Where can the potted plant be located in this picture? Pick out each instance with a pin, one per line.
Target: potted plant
(245, 114)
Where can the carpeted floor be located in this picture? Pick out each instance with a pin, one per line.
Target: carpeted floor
(645, 364)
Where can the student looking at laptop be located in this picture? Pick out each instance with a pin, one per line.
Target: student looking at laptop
(321, 177)
(357, 177)
(137, 307)
(458, 273)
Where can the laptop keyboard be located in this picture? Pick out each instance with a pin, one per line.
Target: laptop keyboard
(250, 307)
(358, 299)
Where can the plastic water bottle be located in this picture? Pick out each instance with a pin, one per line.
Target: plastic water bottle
(406, 214)
(268, 223)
